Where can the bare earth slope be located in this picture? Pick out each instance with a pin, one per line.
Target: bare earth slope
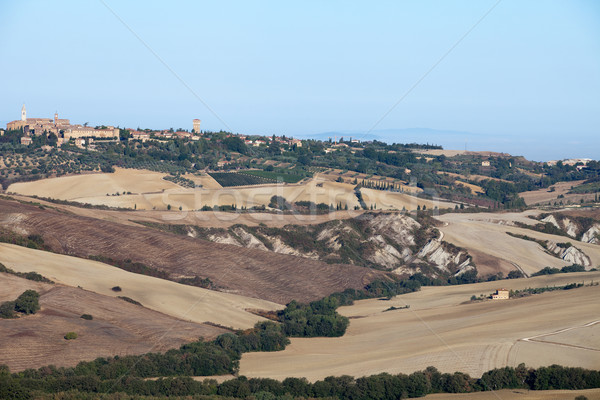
(439, 330)
(275, 277)
(181, 301)
(117, 328)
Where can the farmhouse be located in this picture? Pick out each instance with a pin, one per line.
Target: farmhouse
(501, 294)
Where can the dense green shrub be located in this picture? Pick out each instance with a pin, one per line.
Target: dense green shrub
(32, 276)
(71, 336)
(563, 270)
(7, 310)
(28, 302)
(130, 300)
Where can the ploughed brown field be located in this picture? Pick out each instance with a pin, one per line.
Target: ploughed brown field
(117, 327)
(264, 275)
(180, 301)
(442, 328)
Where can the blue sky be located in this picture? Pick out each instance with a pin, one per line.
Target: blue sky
(525, 80)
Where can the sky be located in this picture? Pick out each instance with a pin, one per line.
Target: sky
(521, 77)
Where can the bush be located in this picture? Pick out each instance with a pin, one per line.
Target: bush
(130, 300)
(71, 336)
(27, 303)
(7, 310)
(116, 289)
(87, 316)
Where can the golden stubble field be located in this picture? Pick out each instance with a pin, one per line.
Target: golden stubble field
(149, 191)
(484, 234)
(560, 189)
(439, 330)
(518, 394)
(185, 302)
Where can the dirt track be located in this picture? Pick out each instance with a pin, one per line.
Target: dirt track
(117, 328)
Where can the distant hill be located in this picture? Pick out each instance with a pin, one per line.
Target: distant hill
(446, 138)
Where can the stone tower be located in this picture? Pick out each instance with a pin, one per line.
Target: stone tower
(56, 117)
(197, 126)
(23, 113)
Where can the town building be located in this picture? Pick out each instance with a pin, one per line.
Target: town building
(485, 163)
(140, 135)
(501, 294)
(196, 125)
(62, 128)
(78, 131)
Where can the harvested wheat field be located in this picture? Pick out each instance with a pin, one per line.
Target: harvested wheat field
(181, 301)
(117, 327)
(260, 274)
(386, 200)
(147, 190)
(471, 177)
(204, 219)
(546, 195)
(75, 187)
(473, 188)
(439, 330)
(519, 394)
(484, 234)
(315, 190)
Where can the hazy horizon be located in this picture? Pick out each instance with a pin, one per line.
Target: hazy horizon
(521, 78)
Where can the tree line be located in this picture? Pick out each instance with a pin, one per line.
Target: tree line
(375, 387)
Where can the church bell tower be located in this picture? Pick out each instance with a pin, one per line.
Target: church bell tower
(23, 113)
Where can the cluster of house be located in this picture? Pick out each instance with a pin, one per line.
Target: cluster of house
(62, 128)
(165, 134)
(65, 131)
(279, 139)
